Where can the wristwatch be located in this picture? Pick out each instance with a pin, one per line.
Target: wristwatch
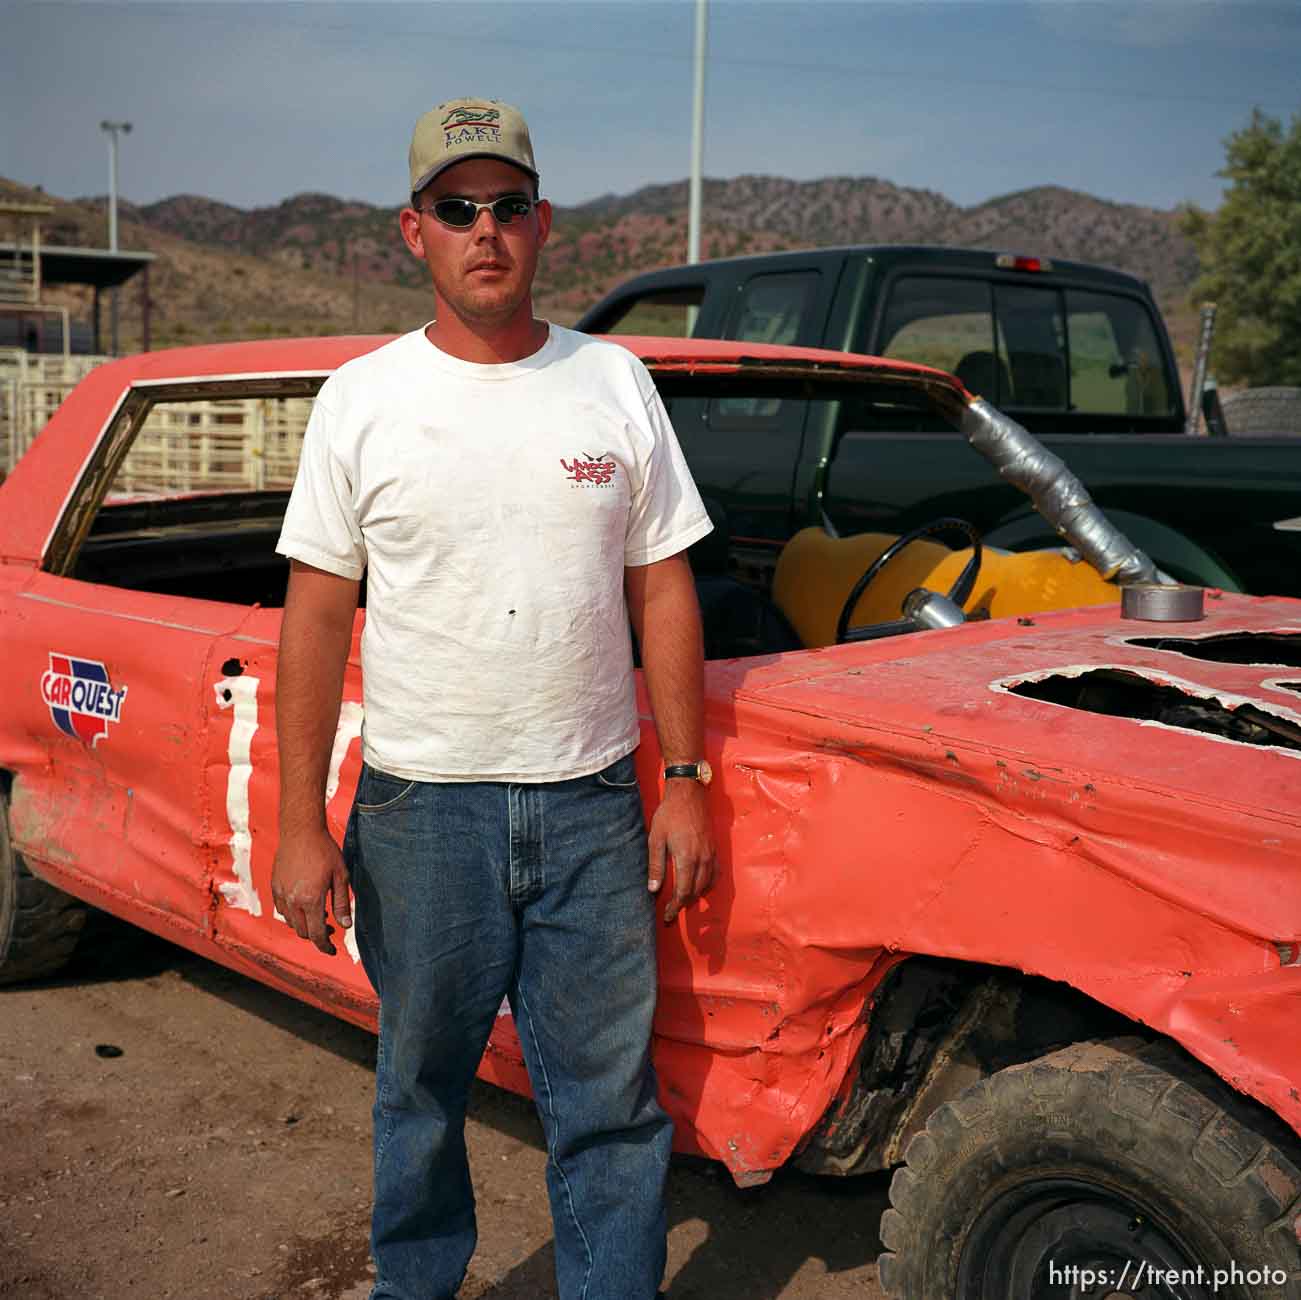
(700, 771)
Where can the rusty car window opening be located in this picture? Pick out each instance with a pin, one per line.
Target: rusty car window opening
(185, 493)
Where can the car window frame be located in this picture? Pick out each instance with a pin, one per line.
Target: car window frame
(86, 498)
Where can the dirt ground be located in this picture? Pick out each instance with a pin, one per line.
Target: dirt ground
(222, 1153)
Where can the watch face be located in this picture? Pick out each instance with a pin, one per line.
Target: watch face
(706, 772)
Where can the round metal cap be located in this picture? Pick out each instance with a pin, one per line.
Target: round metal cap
(1163, 603)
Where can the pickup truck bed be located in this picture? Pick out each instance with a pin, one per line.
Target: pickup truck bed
(1229, 513)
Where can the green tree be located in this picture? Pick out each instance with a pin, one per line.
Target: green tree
(1251, 255)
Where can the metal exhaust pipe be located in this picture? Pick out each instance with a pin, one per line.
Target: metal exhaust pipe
(1058, 495)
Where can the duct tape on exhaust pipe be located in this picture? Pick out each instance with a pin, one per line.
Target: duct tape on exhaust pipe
(1058, 495)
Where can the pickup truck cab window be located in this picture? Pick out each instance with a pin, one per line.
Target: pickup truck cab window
(774, 308)
(668, 313)
(1115, 357)
(1031, 320)
(1028, 347)
(937, 321)
(946, 322)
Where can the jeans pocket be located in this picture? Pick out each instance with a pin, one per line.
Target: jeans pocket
(378, 791)
(620, 775)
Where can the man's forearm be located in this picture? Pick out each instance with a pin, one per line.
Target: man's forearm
(666, 617)
(309, 690)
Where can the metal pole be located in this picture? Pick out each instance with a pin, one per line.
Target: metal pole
(112, 190)
(1199, 368)
(697, 137)
(356, 293)
(697, 156)
(113, 128)
(146, 307)
(36, 261)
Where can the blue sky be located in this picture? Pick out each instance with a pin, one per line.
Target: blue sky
(253, 102)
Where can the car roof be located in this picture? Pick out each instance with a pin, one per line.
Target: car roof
(320, 356)
(47, 475)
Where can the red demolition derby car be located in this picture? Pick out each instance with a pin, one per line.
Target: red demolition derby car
(1009, 898)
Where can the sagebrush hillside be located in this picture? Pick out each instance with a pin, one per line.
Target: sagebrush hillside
(320, 264)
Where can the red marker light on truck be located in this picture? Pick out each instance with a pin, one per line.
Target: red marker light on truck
(1014, 262)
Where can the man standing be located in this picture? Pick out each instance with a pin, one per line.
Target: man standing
(513, 493)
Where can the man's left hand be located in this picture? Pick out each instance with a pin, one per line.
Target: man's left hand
(680, 830)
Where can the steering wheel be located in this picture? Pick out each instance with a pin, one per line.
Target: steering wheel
(958, 593)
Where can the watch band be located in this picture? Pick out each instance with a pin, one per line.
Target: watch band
(699, 771)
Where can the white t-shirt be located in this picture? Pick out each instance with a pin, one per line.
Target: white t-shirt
(493, 508)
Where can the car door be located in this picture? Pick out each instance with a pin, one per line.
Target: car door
(195, 521)
(110, 682)
(148, 635)
(243, 782)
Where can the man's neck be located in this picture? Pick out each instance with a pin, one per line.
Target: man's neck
(487, 343)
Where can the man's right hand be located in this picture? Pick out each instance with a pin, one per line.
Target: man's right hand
(309, 870)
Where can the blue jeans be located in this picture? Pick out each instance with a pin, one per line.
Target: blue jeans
(469, 893)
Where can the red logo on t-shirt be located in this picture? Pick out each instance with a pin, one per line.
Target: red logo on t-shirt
(593, 469)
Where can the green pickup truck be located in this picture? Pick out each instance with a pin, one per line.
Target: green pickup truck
(1077, 354)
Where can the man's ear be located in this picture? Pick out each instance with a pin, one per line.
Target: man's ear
(409, 224)
(544, 220)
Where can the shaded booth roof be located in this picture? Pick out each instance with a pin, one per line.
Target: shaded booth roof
(94, 266)
(98, 267)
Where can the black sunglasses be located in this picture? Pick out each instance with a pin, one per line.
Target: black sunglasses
(461, 214)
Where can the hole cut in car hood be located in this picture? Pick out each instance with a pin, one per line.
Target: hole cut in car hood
(1255, 649)
(1156, 699)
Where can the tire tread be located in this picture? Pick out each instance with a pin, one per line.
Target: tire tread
(1155, 1086)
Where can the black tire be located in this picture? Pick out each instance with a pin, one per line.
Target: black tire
(40, 926)
(1097, 1157)
(1258, 411)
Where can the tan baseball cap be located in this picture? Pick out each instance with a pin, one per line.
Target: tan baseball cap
(468, 128)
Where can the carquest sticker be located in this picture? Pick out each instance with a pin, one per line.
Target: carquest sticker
(81, 698)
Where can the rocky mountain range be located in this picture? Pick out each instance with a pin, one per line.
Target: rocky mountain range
(316, 263)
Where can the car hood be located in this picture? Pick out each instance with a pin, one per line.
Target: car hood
(975, 685)
(1181, 813)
